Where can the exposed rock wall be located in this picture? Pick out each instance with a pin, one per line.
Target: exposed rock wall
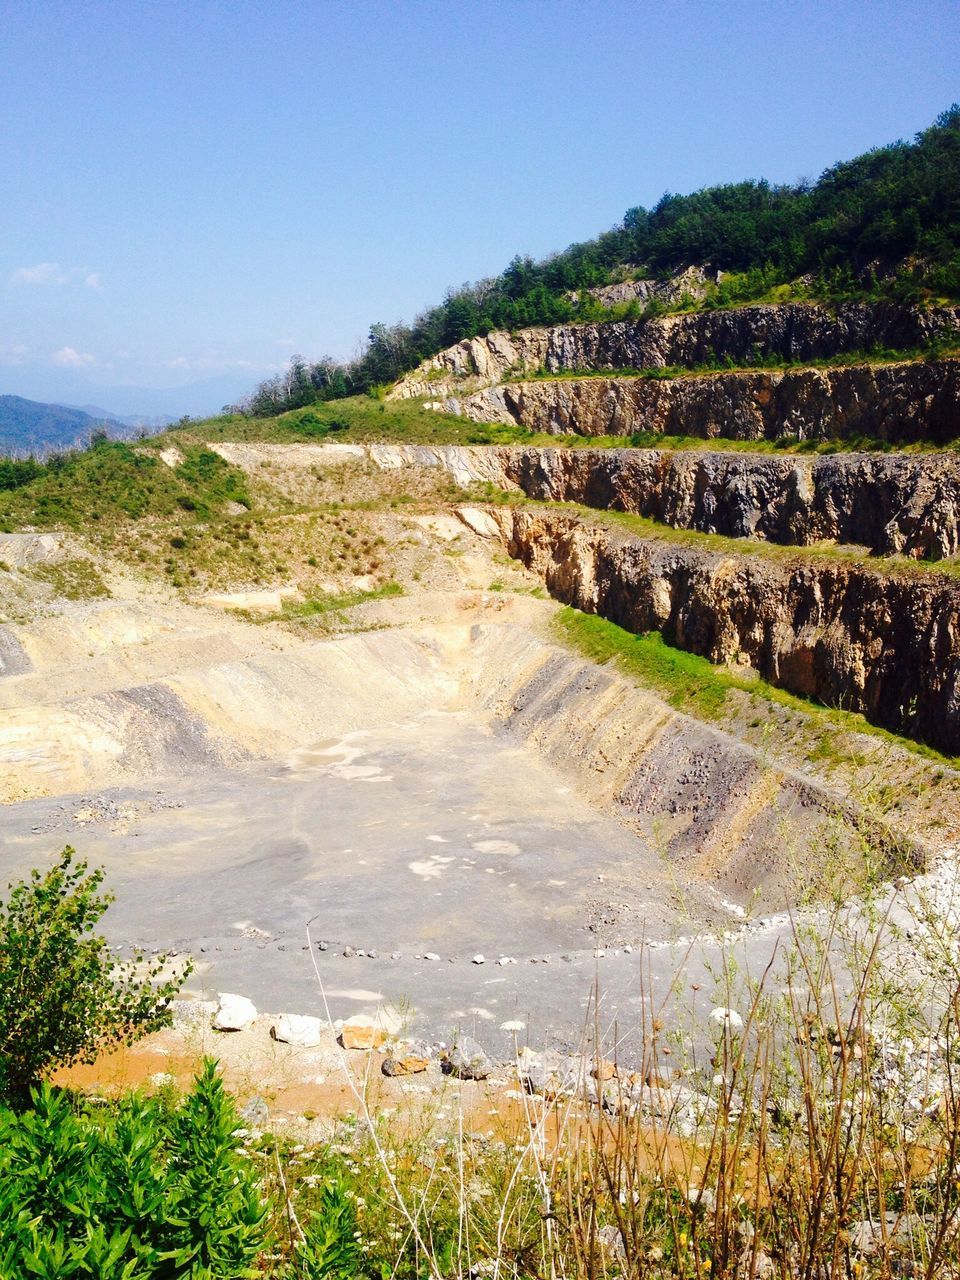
(887, 646)
(902, 504)
(903, 403)
(691, 283)
(895, 504)
(790, 331)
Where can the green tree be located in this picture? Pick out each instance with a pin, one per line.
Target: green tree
(63, 996)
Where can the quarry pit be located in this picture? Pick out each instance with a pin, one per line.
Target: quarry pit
(584, 719)
(437, 808)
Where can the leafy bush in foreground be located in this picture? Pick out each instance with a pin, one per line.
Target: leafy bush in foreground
(63, 996)
(128, 1193)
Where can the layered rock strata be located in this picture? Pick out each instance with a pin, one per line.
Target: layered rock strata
(903, 504)
(903, 403)
(787, 332)
(894, 504)
(717, 808)
(884, 645)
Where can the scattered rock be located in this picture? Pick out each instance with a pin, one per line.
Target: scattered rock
(298, 1029)
(191, 1015)
(727, 1018)
(468, 1061)
(554, 1075)
(407, 1060)
(362, 1033)
(234, 1013)
(610, 1240)
(255, 1112)
(759, 1266)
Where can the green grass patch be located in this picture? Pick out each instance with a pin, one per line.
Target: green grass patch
(114, 482)
(71, 579)
(692, 684)
(336, 602)
(361, 420)
(356, 420)
(687, 682)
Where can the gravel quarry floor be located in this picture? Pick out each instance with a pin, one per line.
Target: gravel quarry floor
(440, 835)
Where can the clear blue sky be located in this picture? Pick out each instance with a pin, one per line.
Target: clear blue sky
(192, 191)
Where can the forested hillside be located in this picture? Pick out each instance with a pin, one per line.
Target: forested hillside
(31, 427)
(887, 222)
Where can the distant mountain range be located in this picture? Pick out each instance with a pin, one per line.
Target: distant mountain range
(151, 421)
(30, 427)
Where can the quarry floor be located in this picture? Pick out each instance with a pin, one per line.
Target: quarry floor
(439, 835)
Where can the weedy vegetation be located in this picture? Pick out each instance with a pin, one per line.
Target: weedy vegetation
(806, 1126)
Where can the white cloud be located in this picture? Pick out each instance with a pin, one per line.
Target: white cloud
(52, 273)
(208, 363)
(71, 359)
(42, 273)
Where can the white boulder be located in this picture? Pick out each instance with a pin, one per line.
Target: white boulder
(234, 1013)
(298, 1029)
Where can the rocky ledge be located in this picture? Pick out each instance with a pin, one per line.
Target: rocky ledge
(885, 645)
(895, 505)
(903, 403)
(785, 332)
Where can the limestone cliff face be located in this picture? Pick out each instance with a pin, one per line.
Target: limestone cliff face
(907, 505)
(894, 504)
(790, 331)
(884, 645)
(902, 403)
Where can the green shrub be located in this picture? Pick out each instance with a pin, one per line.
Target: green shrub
(214, 1215)
(128, 1193)
(63, 996)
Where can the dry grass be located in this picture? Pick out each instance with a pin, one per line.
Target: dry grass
(808, 1128)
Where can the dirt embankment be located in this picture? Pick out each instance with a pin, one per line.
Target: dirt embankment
(904, 403)
(883, 645)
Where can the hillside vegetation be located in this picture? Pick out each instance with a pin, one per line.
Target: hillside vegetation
(113, 480)
(31, 427)
(886, 223)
